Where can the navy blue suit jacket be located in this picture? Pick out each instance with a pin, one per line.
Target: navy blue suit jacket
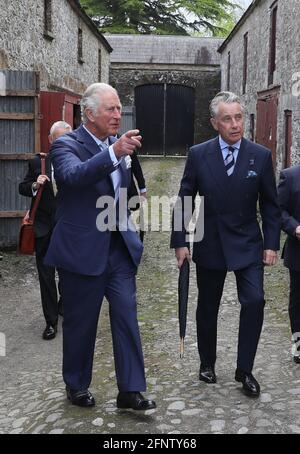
(289, 201)
(232, 236)
(82, 174)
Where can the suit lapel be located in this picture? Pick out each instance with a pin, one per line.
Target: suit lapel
(87, 140)
(216, 165)
(241, 166)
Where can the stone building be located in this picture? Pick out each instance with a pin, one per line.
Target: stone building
(170, 81)
(261, 62)
(56, 39)
(50, 51)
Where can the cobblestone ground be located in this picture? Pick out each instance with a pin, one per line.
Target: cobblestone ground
(32, 393)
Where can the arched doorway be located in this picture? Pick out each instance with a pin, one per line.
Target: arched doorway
(165, 117)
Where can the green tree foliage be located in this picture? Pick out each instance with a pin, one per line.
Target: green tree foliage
(180, 17)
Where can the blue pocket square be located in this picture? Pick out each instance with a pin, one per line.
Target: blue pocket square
(251, 174)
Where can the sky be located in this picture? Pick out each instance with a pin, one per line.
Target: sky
(244, 3)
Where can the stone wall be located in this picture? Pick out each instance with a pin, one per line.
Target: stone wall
(287, 72)
(23, 45)
(151, 59)
(205, 83)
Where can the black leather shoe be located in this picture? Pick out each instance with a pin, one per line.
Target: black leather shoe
(207, 374)
(250, 385)
(134, 400)
(50, 332)
(81, 398)
(297, 359)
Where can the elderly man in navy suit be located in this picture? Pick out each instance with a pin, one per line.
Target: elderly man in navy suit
(97, 258)
(232, 174)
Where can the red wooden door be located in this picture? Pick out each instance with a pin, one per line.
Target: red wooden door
(51, 108)
(266, 132)
(68, 113)
(57, 106)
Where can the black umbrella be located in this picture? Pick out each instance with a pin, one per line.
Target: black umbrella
(183, 293)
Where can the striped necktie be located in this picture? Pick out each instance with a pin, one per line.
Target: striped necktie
(229, 161)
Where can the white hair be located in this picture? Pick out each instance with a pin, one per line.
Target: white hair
(59, 125)
(224, 96)
(91, 99)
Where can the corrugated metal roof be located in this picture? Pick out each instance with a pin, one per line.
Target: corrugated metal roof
(157, 49)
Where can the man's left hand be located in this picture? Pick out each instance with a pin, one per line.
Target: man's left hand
(270, 257)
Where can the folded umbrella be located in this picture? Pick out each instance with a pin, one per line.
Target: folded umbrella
(183, 293)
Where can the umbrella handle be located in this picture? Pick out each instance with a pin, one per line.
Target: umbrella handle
(181, 347)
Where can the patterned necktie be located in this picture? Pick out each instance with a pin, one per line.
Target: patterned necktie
(229, 161)
(115, 175)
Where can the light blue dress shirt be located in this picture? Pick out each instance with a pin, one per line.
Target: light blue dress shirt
(115, 175)
(224, 148)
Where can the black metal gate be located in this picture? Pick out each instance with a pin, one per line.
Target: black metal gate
(165, 116)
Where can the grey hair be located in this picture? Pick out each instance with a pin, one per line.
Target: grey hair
(61, 125)
(91, 99)
(224, 96)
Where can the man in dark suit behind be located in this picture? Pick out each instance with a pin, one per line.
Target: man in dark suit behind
(43, 227)
(231, 174)
(95, 258)
(289, 201)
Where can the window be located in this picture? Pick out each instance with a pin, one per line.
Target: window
(228, 71)
(99, 65)
(245, 66)
(48, 19)
(252, 127)
(288, 138)
(272, 53)
(80, 46)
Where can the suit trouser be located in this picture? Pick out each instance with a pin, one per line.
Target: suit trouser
(82, 298)
(46, 280)
(294, 304)
(251, 297)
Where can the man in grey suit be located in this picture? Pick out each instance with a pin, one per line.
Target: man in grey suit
(289, 200)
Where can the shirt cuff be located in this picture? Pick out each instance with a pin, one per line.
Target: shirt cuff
(113, 157)
(34, 191)
(143, 190)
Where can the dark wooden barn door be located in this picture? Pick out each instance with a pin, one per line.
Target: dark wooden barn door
(266, 132)
(149, 103)
(165, 117)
